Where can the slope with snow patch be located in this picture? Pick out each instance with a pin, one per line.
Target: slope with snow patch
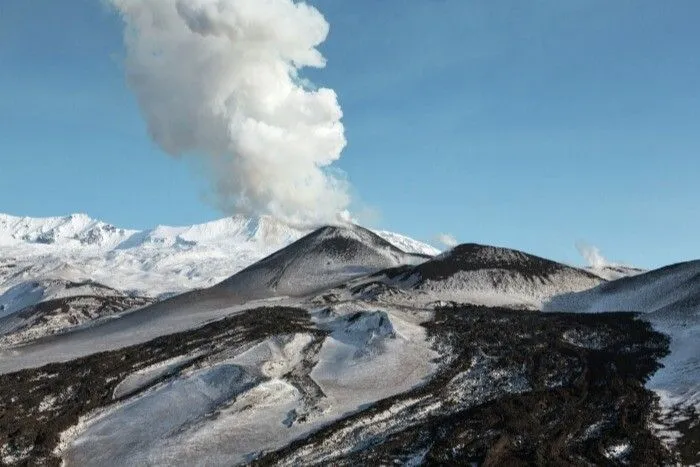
(669, 298)
(477, 274)
(324, 258)
(611, 272)
(240, 402)
(30, 293)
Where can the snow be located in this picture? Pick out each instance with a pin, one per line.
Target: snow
(63, 315)
(162, 261)
(369, 356)
(235, 406)
(241, 401)
(407, 244)
(9, 455)
(164, 318)
(121, 436)
(315, 262)
(26, 294)
(611, 272)
(617, 451)
(488, 276)
(498, 288)
(20, 296)
(276, 356)
(669, 299)
(47, 403)
(325, 258)
(147, 376)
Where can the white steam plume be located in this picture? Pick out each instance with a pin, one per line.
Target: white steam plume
(220, 79)
(592, 255)
(448, 240)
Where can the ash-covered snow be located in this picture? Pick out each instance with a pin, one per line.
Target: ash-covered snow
(669, 299)
(235, 406)
(474, 274)
(62, 315)
(611, 272)
(323, 258)
(147, 376)
(327, 257)
(125, 435)
(47, 259)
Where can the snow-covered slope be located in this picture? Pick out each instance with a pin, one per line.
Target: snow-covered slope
(478, 274)
(74, 230)
(324, 258)
(407, 244)
(670, 299)
(611, 272)
(60, 315)
(280, 388)
(59, 258)
(30, 293)
(157, 262)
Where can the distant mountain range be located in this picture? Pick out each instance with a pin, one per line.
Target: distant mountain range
(157, 262)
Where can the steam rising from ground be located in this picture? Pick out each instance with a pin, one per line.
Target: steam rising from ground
(592, 255)
(447, 240)
(219, 79)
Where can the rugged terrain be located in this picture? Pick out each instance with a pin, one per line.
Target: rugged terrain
(342, 348)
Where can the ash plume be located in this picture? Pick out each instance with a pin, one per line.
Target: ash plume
(219, 80)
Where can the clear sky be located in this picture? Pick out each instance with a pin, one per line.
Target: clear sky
(531, 125)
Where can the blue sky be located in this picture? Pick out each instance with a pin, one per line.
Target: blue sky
(524, 124)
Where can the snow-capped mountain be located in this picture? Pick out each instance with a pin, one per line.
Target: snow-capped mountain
(151, 263)
(338, 348)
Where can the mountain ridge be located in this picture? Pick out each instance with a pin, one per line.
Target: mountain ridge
(157, 262)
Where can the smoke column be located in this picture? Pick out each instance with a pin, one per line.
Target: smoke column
(219, 79)
(448, 240)
(592, 255)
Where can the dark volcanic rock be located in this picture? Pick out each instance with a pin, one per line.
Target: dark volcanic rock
(30, 432)
(516, 391)
(512, 388)
(474, 257)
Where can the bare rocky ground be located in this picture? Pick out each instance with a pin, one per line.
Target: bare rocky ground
(513, 388)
